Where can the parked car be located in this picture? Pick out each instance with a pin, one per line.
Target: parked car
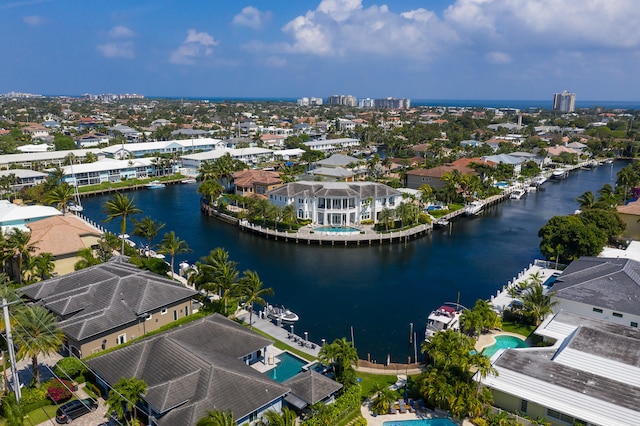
(73, 409)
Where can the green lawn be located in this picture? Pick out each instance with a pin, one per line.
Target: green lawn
(371, 381)
(127, 183)
(514, 327)
(41, 415)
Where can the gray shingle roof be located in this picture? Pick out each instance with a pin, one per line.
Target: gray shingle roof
(104, 297)
(602, 282)
(312, 387)
(338, 189)
(196, 367)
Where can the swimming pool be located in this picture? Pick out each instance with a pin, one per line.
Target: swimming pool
(504, 342)
(420, 422)
(549, 282)
(338, 230)
(289, 366)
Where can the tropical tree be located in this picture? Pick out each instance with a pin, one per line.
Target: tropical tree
(386, 217)
(148, 229)
(61, 195)
(217, 418)
(252, 292)
(121, 206)
(87, 259)
(586, 200)
(210, 189)
(36, 333)
(426, 193)
(19, 247)
(272, 418)
(537, 302)
(289, 215)
(124, 397)
(44, 265)
(172, 245)
(383, 401)
(340, 354)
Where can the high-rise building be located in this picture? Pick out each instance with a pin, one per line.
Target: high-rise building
(393, 103)
(346, 100)
(564, 102)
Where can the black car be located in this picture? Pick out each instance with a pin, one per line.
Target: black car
(73, 409)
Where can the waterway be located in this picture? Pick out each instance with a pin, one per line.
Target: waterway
(376, 291)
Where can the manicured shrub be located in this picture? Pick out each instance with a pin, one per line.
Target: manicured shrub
(70, 367)
(59, 390)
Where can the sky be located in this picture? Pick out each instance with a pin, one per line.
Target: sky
(419, 49)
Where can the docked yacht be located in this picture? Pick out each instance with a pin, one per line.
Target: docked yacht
(538, 180)
(446, 317)
(155, 184)
(559, 174)
(516, 194)
(280, 313)
(473, 208)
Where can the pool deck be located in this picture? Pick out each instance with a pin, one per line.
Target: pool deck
(365, 410)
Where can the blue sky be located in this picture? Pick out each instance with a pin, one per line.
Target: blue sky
(428, 49)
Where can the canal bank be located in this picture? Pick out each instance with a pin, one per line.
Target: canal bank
(377, 290)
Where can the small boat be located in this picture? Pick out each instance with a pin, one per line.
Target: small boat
(188, 180)
(609, 161)
(280, 313)
(473, 208)
(538, 180)
(155, 184)
(517, 194)
(441, 222)
(559, 174)
(446, 317)
(532, 188)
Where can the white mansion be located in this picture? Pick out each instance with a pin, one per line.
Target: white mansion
(336, 203)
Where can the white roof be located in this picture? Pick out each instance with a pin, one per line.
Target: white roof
(233, 152)
(44, 156)
(10, 212)
(160, 145)
(290, 152)
(42, 147)
(22, 173)
(107, 164)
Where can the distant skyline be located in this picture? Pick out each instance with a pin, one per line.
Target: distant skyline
(418, 49)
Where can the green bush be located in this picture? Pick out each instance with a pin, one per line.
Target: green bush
(59, 390)
(332, 414)
(34, 395)
(424, 218)
(70, 367)
(93, 388)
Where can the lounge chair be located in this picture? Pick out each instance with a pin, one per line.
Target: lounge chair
(392, 410)
(403, 408)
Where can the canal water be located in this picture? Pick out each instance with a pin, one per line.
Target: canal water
(375, 293)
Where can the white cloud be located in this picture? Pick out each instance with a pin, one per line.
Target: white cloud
(33, 20)
(498, 58)
(275, 62)
(252, 17)
(118, 44)
(120, 32)
(117, 50)
(499, 30)
(195, 46)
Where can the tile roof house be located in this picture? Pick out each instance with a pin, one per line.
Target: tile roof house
(63, 237)
(200, 366)
(255, 182)
(103, 306)
(601, 288)
(433, 176)
(590, 376)
(309, 388)
(630, 213)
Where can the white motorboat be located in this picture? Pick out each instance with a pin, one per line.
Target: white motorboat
(446, 317)
(188, 180)
(516, 194)
(532, 188)
(559, 174)
(280, 313)
(473, 208)
(441, 222)
(538, 180)
(155, 184)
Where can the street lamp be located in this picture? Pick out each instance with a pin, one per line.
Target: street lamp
(291, 329)
(306, 335)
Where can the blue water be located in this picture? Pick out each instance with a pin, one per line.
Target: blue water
(420, 422)
(549, 282)
(376, 291)
(289, 366)
(504, 342)
(345, 229)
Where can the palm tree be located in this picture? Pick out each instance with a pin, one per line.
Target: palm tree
(426, 192)
(19, 247)
(124, 397)
(252, 291)
(384, 400)
(471, 322)
(207, 171)
(288, 215)
(44, 265)
(172, 245)
(341, 354)
(272, 418)
(61, 195)
(537, 303)
(386, 217)
(210, 189)
(586, 200)
(148, 229)
(217, 418)
(36, 333)
(121, 206)
(87, 258)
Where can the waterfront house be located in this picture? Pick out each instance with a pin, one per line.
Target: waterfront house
(15, 216)
(590, 376)
(601, 288)
(44, 159)
(106, 305)
(177, 147)
(24, 178)
(63, 237)
(255, 182)
(309, 388)
(414, 179)
(332, 145)
(251, 156)
(110, 170)
(336, 203)
(199, 367)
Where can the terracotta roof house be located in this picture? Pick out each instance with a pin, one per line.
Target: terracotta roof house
(201, 366)
(433, 176)
(255, 182)
(590, 376)
(63, 237)
(630, 213)
(103, 306)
